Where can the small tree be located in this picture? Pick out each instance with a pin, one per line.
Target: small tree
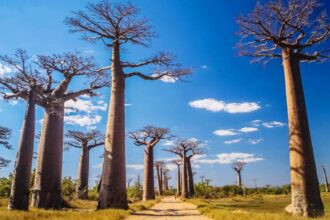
(148, 137)
(238, 167)
(325, 178)
(292, 32)
(178, 163)
(117, 25)
(4, 136)
(159, 165)
(85, 142)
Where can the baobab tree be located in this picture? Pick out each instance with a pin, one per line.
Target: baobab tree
(178, 163)
(293, 32)
(69, 66)
(4, 136)
(148, 137)
(325, 178)
(208, 181)
(238, 167)
(117, 25)
(27, 83)
(186, 149)
(85, 142)
(159, 165)
(166, 177)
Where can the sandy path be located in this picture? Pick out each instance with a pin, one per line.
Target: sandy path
(169, 208)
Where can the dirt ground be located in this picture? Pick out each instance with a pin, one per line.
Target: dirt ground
(169, 208)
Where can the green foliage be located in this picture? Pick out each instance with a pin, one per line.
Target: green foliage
(5, 185)
(134, 193)
(68, 187)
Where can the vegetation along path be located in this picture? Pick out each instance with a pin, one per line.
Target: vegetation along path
(169, 208)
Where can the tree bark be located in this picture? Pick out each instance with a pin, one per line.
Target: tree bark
(306, 199)
(326, 180)
(148, 183)
(184, 189)
(19, 195)
(190, 178)
(160, 189)
(47, 183)
(178, 185)
(113, 187)
(83, 174)
(239, 179)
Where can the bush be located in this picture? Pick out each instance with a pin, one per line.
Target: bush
(68, 187)
(5, 185)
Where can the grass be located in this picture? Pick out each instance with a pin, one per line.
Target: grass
(79, 210)
(268, 207)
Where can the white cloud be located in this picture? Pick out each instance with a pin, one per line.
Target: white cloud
(228, 158)
(273, 124)
(168, 143)
(84, 106)
(233, 141)
(256, 123)
(230, 132)
(128, 104)
(214, 105)
(4, 70)
(82, 120)
(248, 129)
(255, 141)
(135, 166)
(166, 79)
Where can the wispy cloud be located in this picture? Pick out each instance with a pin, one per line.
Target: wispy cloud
(166, 79)
(229, 132)
(255, 141)
(84, 105)
(214, 105)
(228, 158)
(204, 66)
(4, 70)
(135, 166)
(248, 129)
(82, 120)
(233, 141)
(273, 124)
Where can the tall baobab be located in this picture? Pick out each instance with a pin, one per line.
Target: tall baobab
(4, 136)
(325, 178)
(238, 167)
(85, 142)
(159, 165)
(26, 83)
(166, 177)
(116, 25)
(293, 32)
(148, 137)
(186, 149)
(178, 163)
(69, 66)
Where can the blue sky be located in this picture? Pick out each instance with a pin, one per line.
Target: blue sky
(202, 36)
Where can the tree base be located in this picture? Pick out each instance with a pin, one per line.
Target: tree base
(109, 199)
(20, 203)
(46, 200)
(297, 210)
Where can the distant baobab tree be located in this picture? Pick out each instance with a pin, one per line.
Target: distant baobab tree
(159, 165)
(186, 149)
(293, 32)
(238, 167)
(325, 178)
(202, 179)
(25, 82)
(148, 137)
(178, 163)
(208, 181)
(166, 177)
(69, 66)
(116, 25)
(4, 136)
(85, 142)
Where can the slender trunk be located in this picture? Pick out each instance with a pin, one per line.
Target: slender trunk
(162, 180)
(190, 178)
(184, 192)
(19, 195)
(148, 183)
(83, 173)
(113, 187)
(178, 185)
(326, 180)
(239, 179)
(306, 199)
(160, 190)
(47, 183)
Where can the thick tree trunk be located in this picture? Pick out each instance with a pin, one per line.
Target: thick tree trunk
(113, 187)
(326, 180)
(191, 189)
(19, 195)
(306, 199)
(83, 174)
(160, 189)
(148, 184)
(178, 185)
(184, 190)
(47, 183)
(239, 179)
